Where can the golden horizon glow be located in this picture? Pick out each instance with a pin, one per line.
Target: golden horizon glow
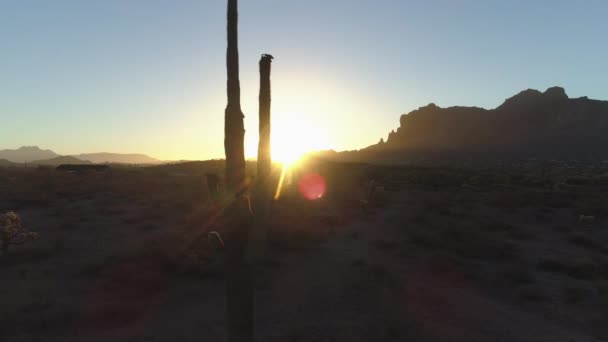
(291, 140)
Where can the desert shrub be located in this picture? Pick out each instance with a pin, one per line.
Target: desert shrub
(593, 206)
(498, 227)
(508, 200)
(481, 180)
(385, 245)
(443, 262)
(359, 263)
(425, 238)
(578, 269)
(537, 182)
(421, 218)
(562, 228)
(520, 234)
(532, 293)
(601, 180)
(574, 294)
(579, 180)
(582, 240)
(149, 227)
(602, 288)
(284, 239)
(141, 272)
(470, 242)
(380, 272)
(518, 274)
(12, 231)
(466, 241)
(532, 198)
(439, 206)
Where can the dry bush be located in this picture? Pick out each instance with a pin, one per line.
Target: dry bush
(518, 274)
(532, 293)
(582, 240)
(602, 288)
(593, 205)
(471, 242)
(575, 294)
(520, 234)
(579, 180)
(578, 269)
(562, 228)
(531, 198)
(12, 231)
(466, 241)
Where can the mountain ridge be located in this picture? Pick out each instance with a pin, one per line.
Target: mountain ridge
(530, 124)
(60, 160)
(36, 155)
(120, 158)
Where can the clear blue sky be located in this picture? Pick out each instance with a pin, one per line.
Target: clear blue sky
(149, 75)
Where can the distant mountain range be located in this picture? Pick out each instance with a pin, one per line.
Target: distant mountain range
(27, 154)
(98, 158)
(531, 124)
(35, 155)
(4, 162)
(60, 160)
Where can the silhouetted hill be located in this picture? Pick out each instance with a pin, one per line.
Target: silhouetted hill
(61, 160)
(5, 163)
(33, 154)
(26, 154)
(99, 158)
(531, 124)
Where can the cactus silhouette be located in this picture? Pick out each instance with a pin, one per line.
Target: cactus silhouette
(239, 276)
(264, 152)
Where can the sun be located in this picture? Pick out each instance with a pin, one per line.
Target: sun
(290, 141)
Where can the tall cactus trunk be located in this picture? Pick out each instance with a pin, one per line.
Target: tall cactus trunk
(234, 129)
(263, 192)
(239, 274)
(264, 156)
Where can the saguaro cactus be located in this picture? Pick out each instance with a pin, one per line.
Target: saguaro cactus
(234, 129)
(239, 276)
(264, 155)
(263, 192)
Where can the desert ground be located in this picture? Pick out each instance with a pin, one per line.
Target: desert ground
(462, 253)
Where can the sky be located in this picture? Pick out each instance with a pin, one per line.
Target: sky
(148, 76)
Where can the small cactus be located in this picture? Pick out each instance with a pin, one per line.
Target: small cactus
(12, 231)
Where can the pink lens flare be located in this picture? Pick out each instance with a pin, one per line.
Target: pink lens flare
(312, 186)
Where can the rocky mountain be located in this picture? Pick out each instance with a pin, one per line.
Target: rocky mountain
(531, 124)
(99, 158)
(33, 154)
(60, 160)
(27, 154)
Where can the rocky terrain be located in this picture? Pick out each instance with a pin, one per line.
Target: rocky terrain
(532, 124)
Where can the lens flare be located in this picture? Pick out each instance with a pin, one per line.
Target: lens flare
(312, 186)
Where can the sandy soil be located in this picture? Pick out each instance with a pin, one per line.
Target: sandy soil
(389, 275)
